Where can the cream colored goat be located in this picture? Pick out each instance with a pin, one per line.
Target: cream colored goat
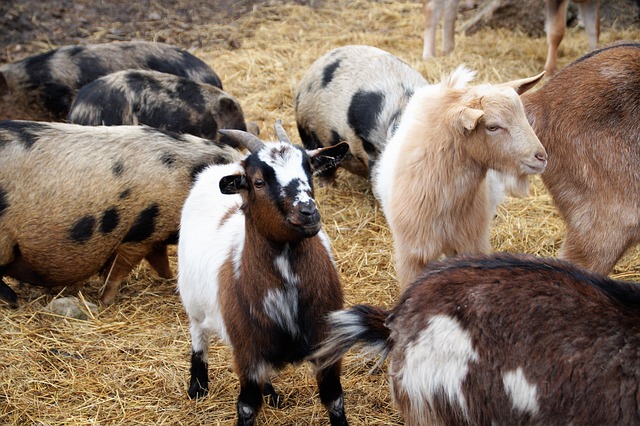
(431, 177)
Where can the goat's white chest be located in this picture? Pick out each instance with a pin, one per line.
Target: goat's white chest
(280, 304)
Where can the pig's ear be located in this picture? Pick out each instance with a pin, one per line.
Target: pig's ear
(327, 158)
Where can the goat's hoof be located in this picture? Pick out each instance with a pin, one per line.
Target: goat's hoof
(197, 391)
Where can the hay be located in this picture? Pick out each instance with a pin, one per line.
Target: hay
(129, 364)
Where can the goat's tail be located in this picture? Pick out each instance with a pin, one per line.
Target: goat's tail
(359, 325)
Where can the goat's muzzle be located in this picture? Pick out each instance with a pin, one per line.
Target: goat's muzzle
(306, 217)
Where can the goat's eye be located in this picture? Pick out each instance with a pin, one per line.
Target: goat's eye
(259, 183)
(493, 127)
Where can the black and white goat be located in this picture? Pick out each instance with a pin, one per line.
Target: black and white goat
(255, 268)
(505, 340)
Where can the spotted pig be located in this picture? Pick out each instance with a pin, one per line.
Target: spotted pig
(42, 87)
(354, 94)
(79, 200)
(157, 99)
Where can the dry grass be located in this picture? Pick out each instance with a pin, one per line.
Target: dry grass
(129, 363)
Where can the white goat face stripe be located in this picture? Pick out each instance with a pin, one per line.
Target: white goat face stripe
(286, 162)
(438, 362)
(524, 395)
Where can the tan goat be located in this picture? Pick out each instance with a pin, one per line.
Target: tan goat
(431, 177)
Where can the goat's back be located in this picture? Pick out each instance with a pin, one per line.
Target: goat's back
(516, 340)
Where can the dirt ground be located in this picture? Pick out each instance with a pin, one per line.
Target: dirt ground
(29, 26)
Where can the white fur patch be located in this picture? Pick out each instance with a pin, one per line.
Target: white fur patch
(524, 395)
(286, 161)
(281, 304)
(437, 363)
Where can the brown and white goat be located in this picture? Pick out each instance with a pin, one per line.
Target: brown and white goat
(556, 22)
(431, 179)
(587, 118)
(255, 268)
(504, 340)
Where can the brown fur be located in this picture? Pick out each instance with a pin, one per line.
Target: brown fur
(504, 340)
(587, 119)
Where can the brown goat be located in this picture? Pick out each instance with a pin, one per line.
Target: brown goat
(587, 118)
(504, 340)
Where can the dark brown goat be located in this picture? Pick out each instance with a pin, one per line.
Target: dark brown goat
(505, 340)
(588, 119)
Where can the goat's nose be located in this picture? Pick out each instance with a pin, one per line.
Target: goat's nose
(307, 208)
(542, 156)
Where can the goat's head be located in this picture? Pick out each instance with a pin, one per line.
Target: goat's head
(496, 131)
(276, 185)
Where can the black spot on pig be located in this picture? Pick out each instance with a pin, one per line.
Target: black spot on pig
(172, 239)
(363, 112)
(4, 201)
(117, 169)
(125, 194)
(56, 97)
(110, 220)
(27, 132)
(328, 72)
(168, 159)
(82, 230)
(90, 69)
(335, 137)
(143, 226)
(95, 93)
(197, 169)
(190, 61)
(189, 92)
(309, 138)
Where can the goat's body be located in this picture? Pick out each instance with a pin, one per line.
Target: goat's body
(587, 119)
(506, 340)
(432, 183)
(256, 269)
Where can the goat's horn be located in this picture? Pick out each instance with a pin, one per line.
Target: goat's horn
(280, 133)
(249, 141)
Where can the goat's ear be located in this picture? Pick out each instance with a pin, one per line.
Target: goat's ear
(466, 119)
(327, 158)
(522, 85)
(233, 184)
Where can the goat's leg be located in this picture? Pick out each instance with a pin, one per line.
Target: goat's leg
(274, 399)
(249, 401)
(199, 381)
(595, 249)
(449, 26)
(590, 14)
(331, 394)
(432, 11)
(555, 23)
